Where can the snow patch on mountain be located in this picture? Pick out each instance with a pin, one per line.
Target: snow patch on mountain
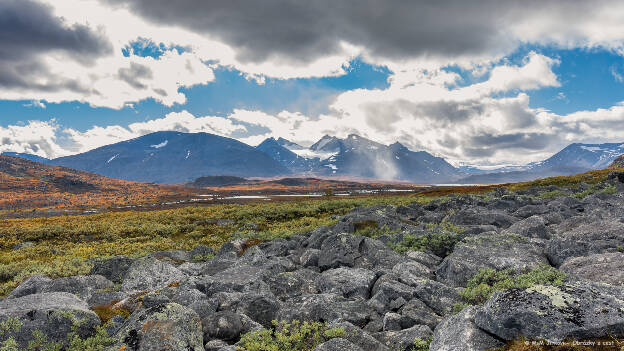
(158, 146)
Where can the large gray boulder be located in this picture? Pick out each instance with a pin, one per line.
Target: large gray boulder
(150, 274)
(325, 307)
(403, 340)
(290, 284)
(339, 250)
(261, 308)
(228, 325)
(602, 268)
(459, 333)
(358, 337)
(83, 286)
(31, 285)
(55, 314)
(337, 344)
(586, 239)
(497, 251)
(113, 268)
(349, 282)
(437, 296)
(164, 327)
(477, 216)
(416, 312)
(579, 310)
(346, 250)
(532, 227)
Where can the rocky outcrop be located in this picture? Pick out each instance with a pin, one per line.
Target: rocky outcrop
(162, 327)
(490, 250)
(54, 314)
(554, 312)
(383, 299)
(459, 333)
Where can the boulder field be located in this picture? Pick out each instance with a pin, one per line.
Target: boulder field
(365, 275)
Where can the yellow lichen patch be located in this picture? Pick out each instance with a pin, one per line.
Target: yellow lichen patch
(557, 297)
(107, 312)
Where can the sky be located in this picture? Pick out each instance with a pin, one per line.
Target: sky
(486, 82)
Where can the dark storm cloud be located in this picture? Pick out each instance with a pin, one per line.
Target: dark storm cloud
(133, 75)
(526, 141)
(306, 30)
(29, 29)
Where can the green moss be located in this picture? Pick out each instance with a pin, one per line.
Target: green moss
(487, 281)
(420, 345)
(552, 194)
(294, 336)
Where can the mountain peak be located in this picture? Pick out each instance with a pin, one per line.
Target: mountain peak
(398, 147)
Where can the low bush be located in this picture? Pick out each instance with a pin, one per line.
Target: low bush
(439, 243)
(294, 336)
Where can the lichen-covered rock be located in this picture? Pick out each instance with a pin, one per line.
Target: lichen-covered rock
(459, 333)
(358, 337)
(261, 308)
(227, 325)
(532, 227)
(425, 258)
(497, 251)
(339, 250)
(150, 274)
(586, 239)
(410, 272)
(416, 312)
(348, 282)
(602, 268)
(82, 286)
(439, 297)
(403, 340)
(337, 344)
(290, 284)
(164, 327)
(174, 256)
(32, 285)
(579, 310)
(325, 307)
(55, 314)
(475, 216)
(113, 268)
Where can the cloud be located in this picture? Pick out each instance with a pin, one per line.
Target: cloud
(303, 32)
(487, 123)
(178, 121)
(55, 56)
(28, 31)
(35, 137)
(616, 74)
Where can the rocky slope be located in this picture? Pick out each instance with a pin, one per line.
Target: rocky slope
(365, 275)
(618, 162)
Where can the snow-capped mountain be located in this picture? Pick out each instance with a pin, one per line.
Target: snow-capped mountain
(587, 156)
(574, 158)
(286, 153)
(360, 157)
(173, 157)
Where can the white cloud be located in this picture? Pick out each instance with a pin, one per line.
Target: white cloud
(178, 121)
(35, 137)
(616, 74)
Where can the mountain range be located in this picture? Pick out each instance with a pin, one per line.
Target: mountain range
(574, 158)
(175, 157)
